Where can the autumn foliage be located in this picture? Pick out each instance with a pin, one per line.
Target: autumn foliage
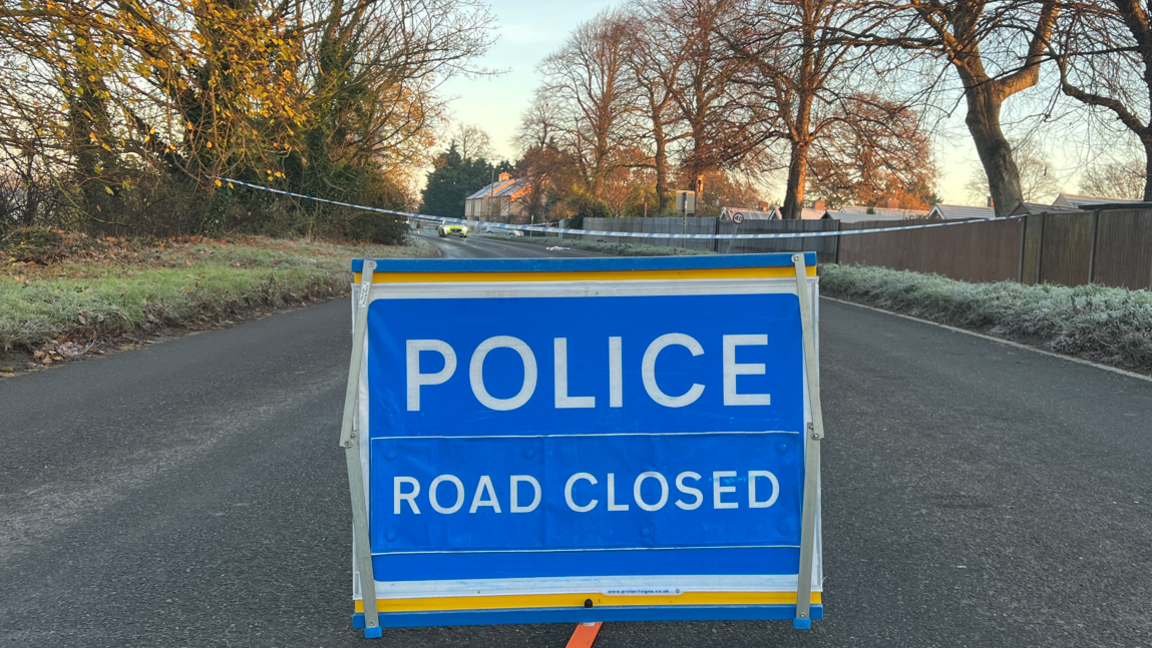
(118, 117)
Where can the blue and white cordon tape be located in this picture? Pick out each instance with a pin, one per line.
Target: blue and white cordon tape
(650, 235)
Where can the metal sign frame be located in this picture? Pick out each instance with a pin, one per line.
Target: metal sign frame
(372, 613)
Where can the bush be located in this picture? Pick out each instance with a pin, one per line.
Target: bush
(143, 202)
(1110, 325)
(34, 245)
(584, 206)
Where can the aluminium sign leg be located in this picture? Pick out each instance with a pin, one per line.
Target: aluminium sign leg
(351, 445)
(812, 437)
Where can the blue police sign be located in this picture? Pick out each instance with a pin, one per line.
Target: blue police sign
(584, 439)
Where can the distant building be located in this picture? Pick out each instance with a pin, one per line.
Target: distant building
(1074, 201)
(815, 212)
(859, 213)
(960, 212)
(749, 213)
(502, 201)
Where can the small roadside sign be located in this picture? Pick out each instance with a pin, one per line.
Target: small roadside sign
(584, 440)
(738, 218)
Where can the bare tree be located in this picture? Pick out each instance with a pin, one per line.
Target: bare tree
(1038, 180)
(996, 48)
(1126, 180)
(1104, 50)
(723, 121)
(594, 96)
(802, 61)
(654, 59)
(472, 142)
(540, 123)
(876, 152)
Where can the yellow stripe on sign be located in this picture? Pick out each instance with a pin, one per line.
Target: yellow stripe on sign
(589, 275)
(517, 602)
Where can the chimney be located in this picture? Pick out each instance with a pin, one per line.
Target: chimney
(503, 177)
(893, 203)
(818, 205)
(990, 203)
(764, 207)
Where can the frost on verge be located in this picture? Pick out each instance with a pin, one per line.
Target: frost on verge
(1109, 325)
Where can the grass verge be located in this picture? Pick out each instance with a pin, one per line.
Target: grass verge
(1107, 325)
(69, 295)
(603, 247)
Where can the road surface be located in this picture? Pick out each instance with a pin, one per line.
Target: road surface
(192, 494)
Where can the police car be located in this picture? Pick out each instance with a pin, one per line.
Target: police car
(452, 229)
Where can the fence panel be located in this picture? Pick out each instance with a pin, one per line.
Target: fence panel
(976, 252)
(1123, 254)
(1066, 249)
(824, 247)
(1033, 240)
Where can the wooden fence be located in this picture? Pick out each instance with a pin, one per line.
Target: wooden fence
(977, 252)
(1108, 247)
(825, 247)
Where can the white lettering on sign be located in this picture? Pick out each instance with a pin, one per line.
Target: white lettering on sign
(718, 490)
(486, 496)
(476, 373)
(732, 369)
(688, 490)
(563, 399)
(514, 489)
(648, 369)
(615, 372)
(436, 506)
(568, 493)
(752, 501)
(612, 505)
(663, 491)
(416, 379)
(401, 496)
(485, 488)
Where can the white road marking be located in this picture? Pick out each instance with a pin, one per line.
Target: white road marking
(1017, 345)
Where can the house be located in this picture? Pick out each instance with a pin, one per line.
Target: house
(964, 212)
(859, 213)
(1075, 202)
(502, 201)
(748, 213)
(959, 212)
(815, 212)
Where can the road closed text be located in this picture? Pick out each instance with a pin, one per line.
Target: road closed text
(585, 492)
(423, 372)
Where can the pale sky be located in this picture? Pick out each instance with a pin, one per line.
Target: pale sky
(529, 30)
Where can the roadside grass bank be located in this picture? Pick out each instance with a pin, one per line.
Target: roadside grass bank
(1107, 325)
(603, 247)
(65, 295)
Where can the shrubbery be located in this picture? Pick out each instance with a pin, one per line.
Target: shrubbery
(157, 205)
(1111, 325)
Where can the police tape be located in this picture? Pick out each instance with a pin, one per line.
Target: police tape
(642, 235)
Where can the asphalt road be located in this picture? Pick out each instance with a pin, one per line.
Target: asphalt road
(192, 494)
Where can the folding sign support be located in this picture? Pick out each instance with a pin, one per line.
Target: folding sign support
(351, 444)
(812, 437)
(351, 441)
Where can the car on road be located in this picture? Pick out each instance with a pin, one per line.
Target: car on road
(452, 229)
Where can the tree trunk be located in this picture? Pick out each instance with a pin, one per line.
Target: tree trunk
(661, 163)
(797, 177)
(995, 152)
(1147, 140)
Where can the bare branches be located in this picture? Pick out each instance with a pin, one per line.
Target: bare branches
(590, 87)
(1104, 53)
